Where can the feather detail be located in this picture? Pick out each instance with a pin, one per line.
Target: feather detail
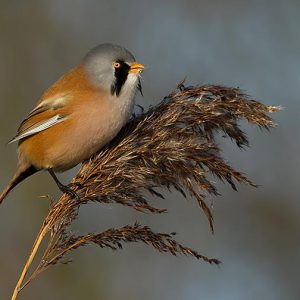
(38, 127)
(52, 103)
(48, 113)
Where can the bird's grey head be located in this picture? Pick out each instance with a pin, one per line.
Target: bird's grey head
(113, 68)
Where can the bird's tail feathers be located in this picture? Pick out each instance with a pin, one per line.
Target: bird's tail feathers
(24, 170)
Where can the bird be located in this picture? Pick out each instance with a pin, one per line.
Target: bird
(77, 115)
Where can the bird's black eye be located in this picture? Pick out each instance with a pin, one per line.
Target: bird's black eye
(116, 65)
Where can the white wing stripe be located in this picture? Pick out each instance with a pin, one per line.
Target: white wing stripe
(46, 124)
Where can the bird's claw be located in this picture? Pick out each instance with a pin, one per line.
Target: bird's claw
(76, 184)
(66, 189)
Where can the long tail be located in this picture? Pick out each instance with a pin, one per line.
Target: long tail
(24, 170)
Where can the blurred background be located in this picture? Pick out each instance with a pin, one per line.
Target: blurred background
(254, 45)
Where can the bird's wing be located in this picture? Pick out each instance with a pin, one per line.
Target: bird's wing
(44, 116)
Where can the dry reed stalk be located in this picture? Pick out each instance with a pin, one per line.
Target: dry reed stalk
(172, 145)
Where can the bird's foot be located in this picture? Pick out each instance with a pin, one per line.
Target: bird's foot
(75, 184)
(66, 189)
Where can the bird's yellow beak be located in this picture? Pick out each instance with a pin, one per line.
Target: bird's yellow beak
(136, 68)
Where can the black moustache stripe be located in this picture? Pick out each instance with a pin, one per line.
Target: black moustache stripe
(121, 75)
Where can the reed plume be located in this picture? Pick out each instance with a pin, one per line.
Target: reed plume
(171, 145)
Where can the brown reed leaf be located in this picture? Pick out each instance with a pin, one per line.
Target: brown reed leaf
(172, 145)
